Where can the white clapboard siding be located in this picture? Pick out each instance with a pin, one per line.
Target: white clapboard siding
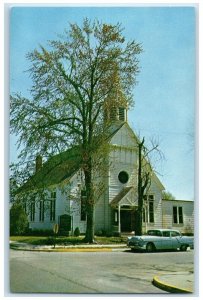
(122, 159)
(188, 215)
(124, 137)
(157, 192)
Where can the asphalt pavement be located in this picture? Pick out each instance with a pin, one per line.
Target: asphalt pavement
(178, 282)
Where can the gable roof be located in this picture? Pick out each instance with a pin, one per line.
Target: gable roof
(114, 127)
(123, 193)
(125, 126)
(158, 181)
(54, 171)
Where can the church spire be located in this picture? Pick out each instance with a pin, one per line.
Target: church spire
(115, 106)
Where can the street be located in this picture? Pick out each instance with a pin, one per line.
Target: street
(93, 272)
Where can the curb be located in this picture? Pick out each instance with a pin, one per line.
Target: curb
(66, 250)
(72, 249)
(167, 287)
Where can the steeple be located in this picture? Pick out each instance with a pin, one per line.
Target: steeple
(116, 114)
(115, 106)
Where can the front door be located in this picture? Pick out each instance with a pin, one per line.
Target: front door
(126, 220)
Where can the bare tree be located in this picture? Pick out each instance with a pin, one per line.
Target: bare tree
(145, 172)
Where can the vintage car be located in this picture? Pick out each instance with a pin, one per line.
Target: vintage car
(161, 239)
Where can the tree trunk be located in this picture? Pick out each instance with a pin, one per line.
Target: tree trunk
(138, 228)
(138, 222)
(89, 235)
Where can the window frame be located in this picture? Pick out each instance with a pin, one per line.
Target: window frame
(177, 215)
(32, 210)
(123, 177)
(41, 211)
(148, 209)
(121, 113)
(53, 206)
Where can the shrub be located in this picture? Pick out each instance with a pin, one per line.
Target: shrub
(103, 232)
(40, 232)
(76, 231)
(50, 241)
(116, 234)
(99, 233)
(18, 220)
(109, 234)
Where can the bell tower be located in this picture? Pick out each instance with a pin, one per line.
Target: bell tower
(116, 114)
(115, 106)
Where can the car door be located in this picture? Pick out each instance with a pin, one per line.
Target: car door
(166, 240)
(175, 239)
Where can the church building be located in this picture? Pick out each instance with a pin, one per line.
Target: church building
(62, 179)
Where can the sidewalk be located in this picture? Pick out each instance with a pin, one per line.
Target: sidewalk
(180, 282)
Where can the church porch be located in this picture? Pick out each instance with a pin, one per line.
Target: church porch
(123, 211)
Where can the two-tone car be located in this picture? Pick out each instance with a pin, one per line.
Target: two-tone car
(161, 239)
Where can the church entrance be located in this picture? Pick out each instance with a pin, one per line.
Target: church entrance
(127, 220)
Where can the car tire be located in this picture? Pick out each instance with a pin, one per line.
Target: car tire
(150, 247)
(183, 248)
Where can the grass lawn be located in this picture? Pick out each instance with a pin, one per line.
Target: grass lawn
(45, 240)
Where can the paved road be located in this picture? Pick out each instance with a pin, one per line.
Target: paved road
(97, 272)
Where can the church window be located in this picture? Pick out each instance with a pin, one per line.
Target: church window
(177, 215)
(32, 211)
(53, 206)
(180, 213)
(116, 217)
(41, 211)
(25, 207)
(121, 113)
(151, 211)
(148, 209)
(123, 177)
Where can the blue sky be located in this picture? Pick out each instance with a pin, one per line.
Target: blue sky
(165, 94)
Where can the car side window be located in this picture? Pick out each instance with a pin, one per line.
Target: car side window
(154, 233)
(166, 233)
(174, 233)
